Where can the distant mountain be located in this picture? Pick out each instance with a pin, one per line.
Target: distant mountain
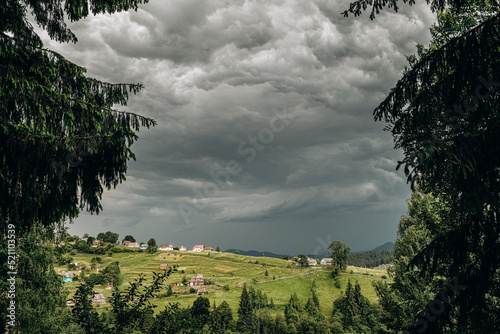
(373, 258)
(386, 246)
(255, 253)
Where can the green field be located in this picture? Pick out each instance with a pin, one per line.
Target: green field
(233, 270)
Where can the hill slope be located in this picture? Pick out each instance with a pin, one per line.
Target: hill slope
(233, 271)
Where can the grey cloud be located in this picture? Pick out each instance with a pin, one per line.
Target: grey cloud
(215, 74)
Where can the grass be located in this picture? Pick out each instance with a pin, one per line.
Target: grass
(233, 270)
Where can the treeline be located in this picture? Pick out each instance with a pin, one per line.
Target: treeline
(370, 259)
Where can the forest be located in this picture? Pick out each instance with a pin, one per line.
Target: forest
(443, 115)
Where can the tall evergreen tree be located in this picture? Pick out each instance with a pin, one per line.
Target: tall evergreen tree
(61, 139)
(293, 309)
(444, 113)
(55, 118)
(246, 314)
(200, 312)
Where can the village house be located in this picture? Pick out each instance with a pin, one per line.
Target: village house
(182, 248)
(197, 280)
(144, 246)
(198, 248)
(133, 244)
(163, 266)
(311, 262)
(67, 276)
(202, 291)
(126, 243)
(326, 261)
(99, 299)
(208, 248)
(166, 247)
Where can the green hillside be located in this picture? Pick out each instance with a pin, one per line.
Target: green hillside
(234, 271)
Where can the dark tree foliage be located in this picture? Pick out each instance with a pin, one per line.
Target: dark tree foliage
(302, 260)
(172, 319)
(339, 253)
(359, 6)
(108, 237)
(112, 273)
(40, 295)
(293, 309)
(246, 313)
(444, 114)
(61, 140)
(128, 237)
(370, 259)
(131, 308)
(356, 313)
(200, 311)
(152, 247)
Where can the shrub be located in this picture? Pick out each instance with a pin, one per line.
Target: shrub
(226, 287)
(192, 290)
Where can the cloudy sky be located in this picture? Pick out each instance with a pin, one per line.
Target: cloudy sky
(265, 137)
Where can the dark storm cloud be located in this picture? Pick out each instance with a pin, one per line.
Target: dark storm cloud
(217, 74)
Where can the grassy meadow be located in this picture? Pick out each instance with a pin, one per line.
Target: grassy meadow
(232, 270)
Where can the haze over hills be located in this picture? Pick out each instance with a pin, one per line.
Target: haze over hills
(386, 246)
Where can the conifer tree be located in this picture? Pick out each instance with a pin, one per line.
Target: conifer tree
(61, 138)
(293, 309)
(246, 313)
(444, 113)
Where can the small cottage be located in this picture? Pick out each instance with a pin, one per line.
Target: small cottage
(67, 276)
(198, 248)
(99, 299)
(311, 262)
(166, 247)
(326, 261)
(197, 280)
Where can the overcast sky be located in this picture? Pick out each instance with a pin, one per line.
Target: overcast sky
(265, 137)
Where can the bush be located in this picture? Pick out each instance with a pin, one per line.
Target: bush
(64, 260)
(226, 287)
(192, 290)
(94, 279)
(384, 277)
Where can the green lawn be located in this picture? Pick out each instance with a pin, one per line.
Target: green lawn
(233, 270)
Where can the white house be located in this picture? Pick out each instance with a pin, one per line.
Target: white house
(166, 247)
(198, 248)
(311, 262)
(182, 248)
(133, 244)
(326, 261)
